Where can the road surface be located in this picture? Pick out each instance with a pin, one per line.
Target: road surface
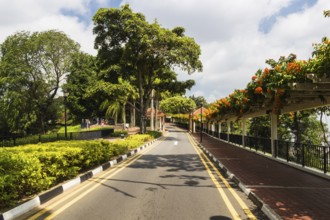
(171, 179)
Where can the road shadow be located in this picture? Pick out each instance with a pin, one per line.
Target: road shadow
(173, 163)
(219, 218)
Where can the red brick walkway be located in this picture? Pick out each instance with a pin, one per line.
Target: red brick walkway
(291, 193)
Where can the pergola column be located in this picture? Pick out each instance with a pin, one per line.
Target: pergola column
(219, 128)
(228, 129)
(273, 130)
(212, 128)
(243, 131)
(193, 126)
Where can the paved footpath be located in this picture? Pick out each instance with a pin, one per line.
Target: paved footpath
(290, 192)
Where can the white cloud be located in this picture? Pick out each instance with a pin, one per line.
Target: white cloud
(40, 15)
(232, 46)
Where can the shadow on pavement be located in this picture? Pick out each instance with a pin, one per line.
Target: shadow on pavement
(186, 162)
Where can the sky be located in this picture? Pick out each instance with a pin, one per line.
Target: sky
(236, 36)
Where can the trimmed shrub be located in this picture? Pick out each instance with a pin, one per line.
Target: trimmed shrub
(154, 134)
(28, 170)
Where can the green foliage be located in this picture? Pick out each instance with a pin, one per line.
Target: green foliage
(20, 175)
(320, 64)
(177, 105)
(31, 69)
(30, 169)
(143, 54)
(73, 128)
(301, 127)
(154, 134)
(82, 76)
(118, 133)
(199, 101)
(260, 127)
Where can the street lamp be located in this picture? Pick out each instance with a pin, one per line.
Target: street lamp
(201, 123)
(65, 95)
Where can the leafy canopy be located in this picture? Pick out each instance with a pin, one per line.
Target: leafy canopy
(142, 53)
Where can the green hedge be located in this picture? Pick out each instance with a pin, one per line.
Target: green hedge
(155, 134)
(118, 133)
(28, 170)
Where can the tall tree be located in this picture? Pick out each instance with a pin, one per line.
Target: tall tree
(32, 67)
(142, 51)
(200, 100)
(177, 105)
(82, 75)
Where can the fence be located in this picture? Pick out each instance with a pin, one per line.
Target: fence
(305, 154)
(34, 139)
(258, 144)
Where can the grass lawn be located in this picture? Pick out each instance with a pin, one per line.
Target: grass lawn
(77, 128)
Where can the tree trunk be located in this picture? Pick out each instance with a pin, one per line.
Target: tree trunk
(133, 115)
(143, 111)
(123, 116)
(152, 123)
(156, 116)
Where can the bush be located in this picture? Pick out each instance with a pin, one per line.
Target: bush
(21, 175)
(154, 134)
(30, 169)
(118, 133)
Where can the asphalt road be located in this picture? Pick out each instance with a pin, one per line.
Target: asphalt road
(171, 179)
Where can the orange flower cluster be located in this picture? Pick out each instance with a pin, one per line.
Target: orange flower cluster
(224, 102)
(266, 71)
(258, 90)
(293, 68)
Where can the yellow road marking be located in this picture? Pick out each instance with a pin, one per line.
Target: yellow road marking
(111, 172)
(238, 199)
(232, 191)
(225, 198)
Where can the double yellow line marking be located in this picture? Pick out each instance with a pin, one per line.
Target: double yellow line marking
(84, 190)
(231, 209)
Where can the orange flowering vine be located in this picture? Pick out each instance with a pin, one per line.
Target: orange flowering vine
(258, 90)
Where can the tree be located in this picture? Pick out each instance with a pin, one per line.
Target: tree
(177, 105)
(140, 52)
(260, 127)
(326, 13)
(115, 96)
(82, 76)
(32, 67)
(302, 127)
(200, 100)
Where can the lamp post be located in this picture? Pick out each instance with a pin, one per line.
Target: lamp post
(65, 117)
(201, 123)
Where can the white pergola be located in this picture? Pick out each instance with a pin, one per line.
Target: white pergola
(302, 96)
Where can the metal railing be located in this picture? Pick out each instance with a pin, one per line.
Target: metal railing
(258, 144)
(312, 156)
(236, 139)
(223, 136)
(305, 154)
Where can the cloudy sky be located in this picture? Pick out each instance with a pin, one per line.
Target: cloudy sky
(236, 36)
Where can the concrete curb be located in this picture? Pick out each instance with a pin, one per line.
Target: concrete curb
(46, 196)
(270, 213)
